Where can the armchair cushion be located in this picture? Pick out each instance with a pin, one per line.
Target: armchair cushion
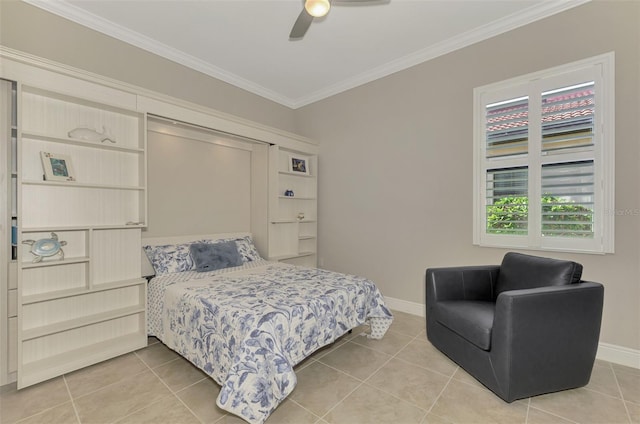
(519, 271)
(471, 320)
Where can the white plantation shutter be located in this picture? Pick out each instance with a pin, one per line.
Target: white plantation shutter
(507, 204)
(507, 127)
(568, 199)
(568, 117)
(543, 148)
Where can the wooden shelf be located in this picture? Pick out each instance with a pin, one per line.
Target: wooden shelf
(81, 143)
(58, 327)
(79, 228)
(296, 174)
(291, 256)
(292, 221)
(53, 295)
(296, 198)
(76, 184)
(65, 261)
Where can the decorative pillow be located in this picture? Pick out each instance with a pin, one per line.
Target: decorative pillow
(247, 249)
(212, 256)
(245, 245)
(169, 258)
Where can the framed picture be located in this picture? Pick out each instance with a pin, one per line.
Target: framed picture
(299, 164)
(57, 167)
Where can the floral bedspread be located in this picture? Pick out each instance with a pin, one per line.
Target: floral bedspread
(248, 330)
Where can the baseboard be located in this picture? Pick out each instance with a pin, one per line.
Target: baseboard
(607, 352)
(619, 355)
(412, 308)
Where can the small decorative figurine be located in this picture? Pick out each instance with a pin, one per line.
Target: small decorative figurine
(288, 193)
(46, 247)
(89, 134)
(300, 216)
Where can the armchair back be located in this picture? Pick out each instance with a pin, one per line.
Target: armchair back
(519, 271)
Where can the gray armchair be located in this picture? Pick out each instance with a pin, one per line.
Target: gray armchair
(527, 327)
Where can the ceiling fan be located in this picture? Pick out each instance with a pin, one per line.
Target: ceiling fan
(318, 9)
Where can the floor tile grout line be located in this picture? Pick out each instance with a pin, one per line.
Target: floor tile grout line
(103, 387)
(301, 406)
(429, 369)
(172, 393)
(361, 382)
(600, 392)
(119, 419)
(364, 382)
(393, 395)
(52, 407)
(72, 398)
(615, 376)
(418, 338)
(441, 392)
(378, 350)
(341, 400)
(175, 394)
(624, 402)
(396, 397)
(206, 377)
(73, 403)
(552, 413)
(161, 364)
(339, 370)
(165, 384)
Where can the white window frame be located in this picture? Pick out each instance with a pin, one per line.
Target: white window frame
(601, 70)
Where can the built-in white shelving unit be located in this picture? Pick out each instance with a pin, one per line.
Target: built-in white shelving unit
(63, 314)
(8, 220)
(89, 305)
(293, 226)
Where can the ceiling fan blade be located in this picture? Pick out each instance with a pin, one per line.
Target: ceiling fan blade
(302, 25)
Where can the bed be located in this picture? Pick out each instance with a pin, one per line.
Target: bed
(247, 322)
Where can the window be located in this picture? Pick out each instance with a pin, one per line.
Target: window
(544, 159)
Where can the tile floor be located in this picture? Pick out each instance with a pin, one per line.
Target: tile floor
(400, 379)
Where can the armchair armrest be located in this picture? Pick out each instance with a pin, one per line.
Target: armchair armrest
(546, 310)
(542, 330)
(461, 283)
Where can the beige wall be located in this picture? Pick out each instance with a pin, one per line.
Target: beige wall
(396, 160)
(200, 182)
(32, 30)
(396, 154)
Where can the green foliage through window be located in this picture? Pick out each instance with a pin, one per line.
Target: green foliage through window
(509, 215)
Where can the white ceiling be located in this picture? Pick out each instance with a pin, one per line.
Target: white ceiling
(246, 43)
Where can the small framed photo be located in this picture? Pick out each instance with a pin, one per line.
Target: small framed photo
(57, 167)
(299, 164)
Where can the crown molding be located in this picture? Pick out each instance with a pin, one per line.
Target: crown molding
(89, 20)
(516, 20)
(534, 13)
